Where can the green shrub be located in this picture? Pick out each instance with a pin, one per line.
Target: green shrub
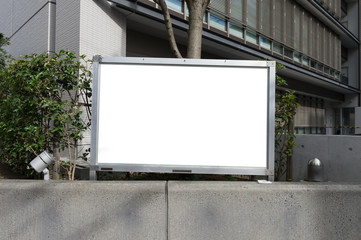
(40, 106)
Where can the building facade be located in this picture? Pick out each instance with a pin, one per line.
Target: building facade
(317, 40)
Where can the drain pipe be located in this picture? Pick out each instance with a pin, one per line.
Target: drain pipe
(51, 26)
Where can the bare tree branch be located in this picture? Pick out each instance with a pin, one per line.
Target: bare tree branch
(169, 27)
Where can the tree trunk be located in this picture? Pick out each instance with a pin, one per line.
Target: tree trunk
(169, 28)
(56, 166)
(196, 9)
(289, 174)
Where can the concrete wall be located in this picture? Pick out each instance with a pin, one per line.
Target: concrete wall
(341, 156)
(178, 210)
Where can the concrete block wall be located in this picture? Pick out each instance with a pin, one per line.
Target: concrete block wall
(340, 154)
(179, 210)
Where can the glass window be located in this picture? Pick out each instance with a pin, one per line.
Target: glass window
(305, 60)
(217, 22)
(265, 43)
(301, 130)
(326, 70)
(236, 30)
(176, 5)
(277, 48)
(313, 64)
(251, 36)
(320, 67)
(297, 56)
(288, 52)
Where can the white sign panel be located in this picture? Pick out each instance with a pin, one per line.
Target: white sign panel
(196, 115)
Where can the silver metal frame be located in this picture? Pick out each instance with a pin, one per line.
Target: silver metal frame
(268, 171)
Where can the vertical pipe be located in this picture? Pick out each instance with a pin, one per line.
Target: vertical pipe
(51, 26)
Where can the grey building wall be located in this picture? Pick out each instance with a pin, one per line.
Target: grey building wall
(67, 25)
(5, 17)
(26, 22)
(88, 27)
(341, 156)
(102, 29)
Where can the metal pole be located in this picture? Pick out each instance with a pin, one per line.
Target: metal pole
(51, 26)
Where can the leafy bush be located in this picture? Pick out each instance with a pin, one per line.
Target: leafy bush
(43, 103)
(3, 54)
(286, 105)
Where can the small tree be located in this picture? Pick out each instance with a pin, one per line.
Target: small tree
(196, 9)
(45, 100)
(286, 105)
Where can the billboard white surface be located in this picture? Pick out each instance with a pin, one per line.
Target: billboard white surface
(194, 115)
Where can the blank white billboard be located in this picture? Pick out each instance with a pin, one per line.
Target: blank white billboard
(196, 115)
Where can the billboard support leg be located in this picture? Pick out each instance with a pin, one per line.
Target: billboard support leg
(92, 175)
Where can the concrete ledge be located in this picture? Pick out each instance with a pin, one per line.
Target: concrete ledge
(82, 210)
(218, 210)
(179, 210)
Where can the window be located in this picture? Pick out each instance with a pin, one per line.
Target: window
(277, 48)
(320, 67)
(344, 75)
(297, 57)
(176, 5)
(313, 63)
(236, 30)
(252, 37)
(217, 21)
(326, 70)
(265, 43)
(310, 116)
(288, 53)
(305, 60)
